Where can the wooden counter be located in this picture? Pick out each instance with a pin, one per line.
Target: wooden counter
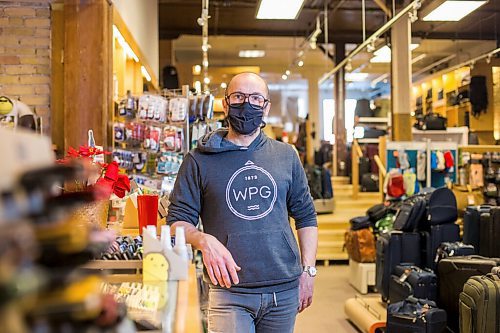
(188, 313)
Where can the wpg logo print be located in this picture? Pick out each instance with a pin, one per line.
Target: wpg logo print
(251, 192)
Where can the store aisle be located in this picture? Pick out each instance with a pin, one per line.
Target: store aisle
(327, 311)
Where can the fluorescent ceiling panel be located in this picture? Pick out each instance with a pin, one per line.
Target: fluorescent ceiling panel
(279, 9)
(453, 10)
(383, 55)
(356, 77)
(252, 53)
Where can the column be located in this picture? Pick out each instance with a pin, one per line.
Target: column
(401, 80)
(313, 127)
(340, 148)
(87, 71)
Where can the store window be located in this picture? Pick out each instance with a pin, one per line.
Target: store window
(329, 113)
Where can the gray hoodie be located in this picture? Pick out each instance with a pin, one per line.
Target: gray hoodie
(244, 196)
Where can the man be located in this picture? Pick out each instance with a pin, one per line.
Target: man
(244, 186)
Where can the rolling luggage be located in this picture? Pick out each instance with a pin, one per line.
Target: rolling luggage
(432, 239)
(456, 249)
(377, 212)
(410, 213)
(393, 249)
(452, 274)
(415, 316)
(489, 232)
(479, 305)
(369, 183)
(364, 167)
(408, 280)
(471, 224)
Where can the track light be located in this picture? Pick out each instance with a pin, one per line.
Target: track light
(287, 72)
(348, 67)
(284, 76)
(300, 63)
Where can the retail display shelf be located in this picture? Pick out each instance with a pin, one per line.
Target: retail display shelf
(372, 140)
(373, 120)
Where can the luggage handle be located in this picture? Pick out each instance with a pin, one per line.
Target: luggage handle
(367, 306)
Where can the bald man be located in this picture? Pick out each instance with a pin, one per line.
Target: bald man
(244, 186)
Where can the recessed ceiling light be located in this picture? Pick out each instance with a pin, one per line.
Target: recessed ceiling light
(383, 55)
(279, 9)
(356, 77)
(300, 63)
(453, 10)
(145, 73)
(287, 72)
(284, 76)
(251, 53)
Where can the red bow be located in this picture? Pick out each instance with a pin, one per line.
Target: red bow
(112, 182)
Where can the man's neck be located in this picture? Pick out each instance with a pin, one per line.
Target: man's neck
(240, 139)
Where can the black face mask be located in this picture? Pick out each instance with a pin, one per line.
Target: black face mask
(245, 119)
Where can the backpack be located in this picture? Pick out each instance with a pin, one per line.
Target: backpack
(314, 181)
(410, 214)
(441, 207)
(395, 185)
(360, 245)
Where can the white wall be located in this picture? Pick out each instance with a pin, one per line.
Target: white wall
(141, 18)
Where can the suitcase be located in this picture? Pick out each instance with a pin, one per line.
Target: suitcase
(452, 274)
(415, 316)
(369, 183)
(431, 240)
(456, 249)
(393, 249)
(410, 213)
(408, 280)
(471, 224)
(364, 167)
(377, 212)
(360, 222)
(489, 231)
(479, 305)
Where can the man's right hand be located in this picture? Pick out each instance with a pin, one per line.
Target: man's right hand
(219, 262)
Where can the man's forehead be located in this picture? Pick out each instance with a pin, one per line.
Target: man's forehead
(247, 82)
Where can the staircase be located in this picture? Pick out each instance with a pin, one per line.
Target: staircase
(331, 227)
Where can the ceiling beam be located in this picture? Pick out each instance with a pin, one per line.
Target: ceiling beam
(384, 7)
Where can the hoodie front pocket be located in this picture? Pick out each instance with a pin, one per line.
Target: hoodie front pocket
(264, 256)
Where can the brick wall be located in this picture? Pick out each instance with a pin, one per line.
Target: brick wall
(25, 54)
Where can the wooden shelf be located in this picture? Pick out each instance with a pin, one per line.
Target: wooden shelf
(373, 120)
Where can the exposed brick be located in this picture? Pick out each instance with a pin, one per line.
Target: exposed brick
(20, 69)
(19, 51)
(42, 110)
(34, 79)
(16, 22)
(9, 40)
(43, 12)
(37, 22)
(19, 11)
(9, 60)
(2, 50)
(18, 89)
(9, 79)
(34, 100)
(43, 52)
(35, 60)
(43, 42)
(42, 89)
(4, 21)
(19, 31)
(28, 41)
(40, 32)
(42, 69)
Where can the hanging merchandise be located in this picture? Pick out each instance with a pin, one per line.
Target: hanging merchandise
(440, 161)
(409, 179)
(403, 159)
(421, 165)
(478, 95)
(395, 184)
(476, 174)
(434, 160)
(449, 160)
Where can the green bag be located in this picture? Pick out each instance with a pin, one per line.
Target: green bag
(385, 224)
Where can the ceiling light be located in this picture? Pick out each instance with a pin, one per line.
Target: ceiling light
(452, 10)
(196, 70)
(205, 63)
(206, 80)
(287, 72)
(300, 63)
(284, 76)
(128, 50)
(145, 73)
(383, 55)
(205, 47)
(251, 53)
(197, 86)
(356, 77)
(223, 85)
(279, 10)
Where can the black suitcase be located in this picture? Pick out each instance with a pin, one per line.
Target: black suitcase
(409, 280)
(415, 316)
(471, 224)
(369, 183)
(364, 167)
(377, 212)
(360, 222)
(455, 249)
(393, 249)
(410, 213)
(489, 233)
(452, 274)
(432, 239)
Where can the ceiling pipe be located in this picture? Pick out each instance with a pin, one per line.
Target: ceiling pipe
(415, 5)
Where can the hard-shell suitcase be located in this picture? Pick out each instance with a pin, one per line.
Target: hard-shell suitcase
(471, 224)
(415, 316)
(364, 167)
(409, 280)
(489, 231)
(369, 183)
(455, 249)
(479, 305)
(393, 249)
(432, 239)
(452, 274)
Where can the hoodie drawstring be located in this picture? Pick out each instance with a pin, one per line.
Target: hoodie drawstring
(275, 301)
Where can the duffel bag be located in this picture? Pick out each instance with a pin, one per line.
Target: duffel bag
(360, 245)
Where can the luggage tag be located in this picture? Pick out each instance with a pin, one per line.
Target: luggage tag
(405, 275)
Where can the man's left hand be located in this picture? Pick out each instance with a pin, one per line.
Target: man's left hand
(306, 287)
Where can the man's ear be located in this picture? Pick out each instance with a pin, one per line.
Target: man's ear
(225, 106)
(267, 109)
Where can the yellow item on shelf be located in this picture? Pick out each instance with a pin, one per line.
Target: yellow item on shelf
(155, 267)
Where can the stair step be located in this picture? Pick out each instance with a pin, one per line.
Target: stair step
(340, 180)
(331, 235)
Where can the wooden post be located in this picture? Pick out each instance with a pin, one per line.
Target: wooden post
(87, 71)
(339, 118)
(382, 172)
(355, 169)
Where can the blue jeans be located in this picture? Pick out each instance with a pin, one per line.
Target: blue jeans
(231, 312)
